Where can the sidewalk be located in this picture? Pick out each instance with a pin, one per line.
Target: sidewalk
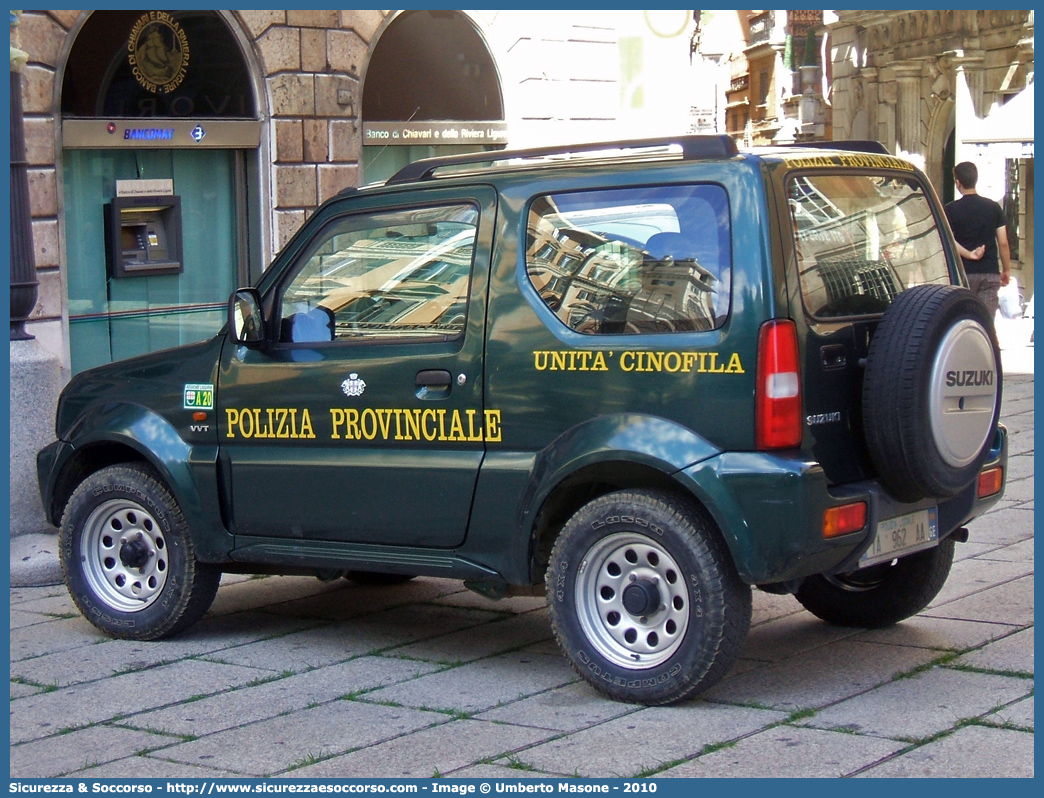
(292, 677)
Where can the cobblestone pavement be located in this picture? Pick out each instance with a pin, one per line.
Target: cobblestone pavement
(292, 677)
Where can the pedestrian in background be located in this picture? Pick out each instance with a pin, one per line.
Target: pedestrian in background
(980, 228)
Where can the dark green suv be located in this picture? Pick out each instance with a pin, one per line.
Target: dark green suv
(642, 376)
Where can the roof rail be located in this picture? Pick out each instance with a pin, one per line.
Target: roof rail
(854, 145)
(693, 147)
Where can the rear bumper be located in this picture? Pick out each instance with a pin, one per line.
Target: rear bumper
(770, 510)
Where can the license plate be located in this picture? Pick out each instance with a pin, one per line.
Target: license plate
(903, 535)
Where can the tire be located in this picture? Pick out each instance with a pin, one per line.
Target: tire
(128, 558)
(377, 579)
(621, 554)
(880, 595)
(931, 392)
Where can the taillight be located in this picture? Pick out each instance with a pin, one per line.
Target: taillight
(777, 396)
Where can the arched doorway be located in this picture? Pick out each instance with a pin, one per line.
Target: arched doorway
(431, 88)
(160, 139)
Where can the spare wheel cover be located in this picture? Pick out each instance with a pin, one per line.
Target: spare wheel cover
(963, 398)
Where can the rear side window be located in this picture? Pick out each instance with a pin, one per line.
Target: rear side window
(634, 260)
(861, 239)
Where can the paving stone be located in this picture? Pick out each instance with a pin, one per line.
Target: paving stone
(971, 752)
(81, 749)
(1020, 466)
(815, 679)
(575, 706)
(20, 595)
(22, 690)
(36, 640)
(648, 738)
(107, 657)
(351, 600)
(548, 647)
(491, 772)
(420, 755)
(784, 637)
(943, 697)
(272, 746)
(947, 634)
(1011, 603)
(788, 752)
(769, 606)
(151, 767)
(491, 638)
(337, 642)
(1016, 552)
(249, 704)
(244, 592)
(1018, 714)
(1020, 490)
(1005, 525)
(973, 576)
(481, 685)
(71, 707)
(514, 605)
(1013, 653)
(19, 619)
(52, 605)
(966, 551)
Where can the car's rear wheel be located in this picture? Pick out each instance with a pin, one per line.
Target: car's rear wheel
(882, 594)
(128, 558)
(644, 599)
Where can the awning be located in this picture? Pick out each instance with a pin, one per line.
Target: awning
(1007, 131)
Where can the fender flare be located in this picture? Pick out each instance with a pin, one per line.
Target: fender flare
(177, 462)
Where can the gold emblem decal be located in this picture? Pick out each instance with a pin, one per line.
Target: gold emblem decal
(158, 52)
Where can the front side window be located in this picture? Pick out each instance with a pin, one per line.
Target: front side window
(861, 239)
(633, 261)
(395, 275)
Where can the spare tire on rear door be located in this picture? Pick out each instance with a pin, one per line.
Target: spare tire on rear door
(931, 392)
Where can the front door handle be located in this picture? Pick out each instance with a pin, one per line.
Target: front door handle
(433, 384)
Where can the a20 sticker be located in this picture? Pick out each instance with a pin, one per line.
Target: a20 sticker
(199, 396)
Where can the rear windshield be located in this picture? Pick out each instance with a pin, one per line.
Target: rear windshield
(651, 259)
(861, 239)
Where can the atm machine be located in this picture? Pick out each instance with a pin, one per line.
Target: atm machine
(143, 236)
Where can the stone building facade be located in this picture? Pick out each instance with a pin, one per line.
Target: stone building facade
(928, 83)
(306, 68)
(250, 168)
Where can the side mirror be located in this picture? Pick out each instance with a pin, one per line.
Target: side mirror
(246, 321)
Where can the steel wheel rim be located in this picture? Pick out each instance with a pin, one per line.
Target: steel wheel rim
(125, 556)
(625, 638)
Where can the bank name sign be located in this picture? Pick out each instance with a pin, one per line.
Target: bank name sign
(409, 133)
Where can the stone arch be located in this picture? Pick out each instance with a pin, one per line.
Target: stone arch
(418, 63)
(94, 79)
(941, 124)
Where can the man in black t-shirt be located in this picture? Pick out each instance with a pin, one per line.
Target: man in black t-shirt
(980, 228)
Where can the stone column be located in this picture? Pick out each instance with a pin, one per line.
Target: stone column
(969, 81)
(908, 128)
(23, 265)
(35, 373)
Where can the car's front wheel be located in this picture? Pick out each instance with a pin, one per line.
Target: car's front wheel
(128, 559)
(644, 599)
